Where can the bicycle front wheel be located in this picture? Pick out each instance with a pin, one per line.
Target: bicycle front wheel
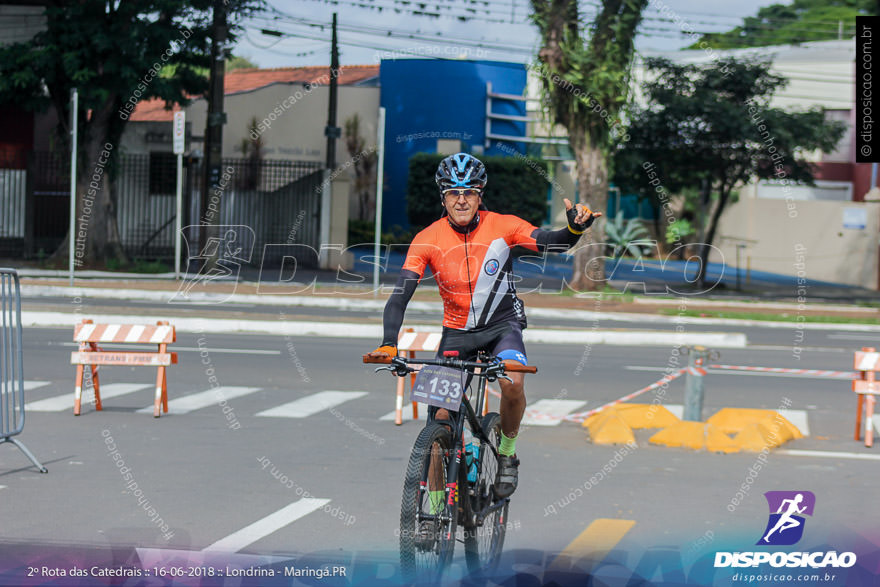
(483, 542)
(427, 523)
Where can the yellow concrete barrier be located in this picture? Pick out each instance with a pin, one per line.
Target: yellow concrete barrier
(755, 430)
(769, 433)
(695, 435)
(639, 416)
(735, 420)
(607, 427)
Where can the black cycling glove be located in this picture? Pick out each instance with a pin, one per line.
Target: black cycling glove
(577, 227)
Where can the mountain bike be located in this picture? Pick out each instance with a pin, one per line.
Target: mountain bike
(441, 491)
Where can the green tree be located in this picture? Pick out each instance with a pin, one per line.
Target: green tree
(585, 73)
(706, 130)
(517, 185)
(363, 160)
(799, 22)
(239, 62)
(114, 53)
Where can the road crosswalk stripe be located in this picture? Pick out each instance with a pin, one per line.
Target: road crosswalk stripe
(407, 413)
(549, 412)
(59, 403)
(32, 385)
(271, 523)
(312, 404)
(798, 418)
(826, 454)
(203, 399)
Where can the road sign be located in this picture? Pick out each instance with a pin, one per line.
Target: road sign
(179, 132)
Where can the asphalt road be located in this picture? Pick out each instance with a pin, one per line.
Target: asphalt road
(216, 469)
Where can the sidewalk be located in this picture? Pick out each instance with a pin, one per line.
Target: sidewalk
(649, 278)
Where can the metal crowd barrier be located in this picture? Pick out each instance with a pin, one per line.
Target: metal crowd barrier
(11, 371)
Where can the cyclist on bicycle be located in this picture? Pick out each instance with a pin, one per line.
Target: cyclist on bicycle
(468, 252)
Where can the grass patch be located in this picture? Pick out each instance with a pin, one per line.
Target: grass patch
(608, 294)
(784, 317)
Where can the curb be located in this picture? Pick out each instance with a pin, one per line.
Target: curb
(374, 331)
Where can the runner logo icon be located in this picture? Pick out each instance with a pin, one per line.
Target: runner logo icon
(786, 524)
(491, 267)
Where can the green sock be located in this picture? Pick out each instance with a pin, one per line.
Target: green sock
(436, 499)
(507, 447)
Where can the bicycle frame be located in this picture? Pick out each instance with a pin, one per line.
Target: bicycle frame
(485, 370)
(488, 370)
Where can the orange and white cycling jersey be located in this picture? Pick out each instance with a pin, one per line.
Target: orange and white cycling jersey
(473, 269)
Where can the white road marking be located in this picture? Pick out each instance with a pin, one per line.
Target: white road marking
(59, 403)
(311, 404)
(732, 372)
(862, 337)
(407, 413)
(798, 418)
(549, 412)
(787, 348)
(876, 420)
(31, 385)
(271, 523)
(230, 351)
(203, 399)
(827, 454)
(676, 409)
(363, 329)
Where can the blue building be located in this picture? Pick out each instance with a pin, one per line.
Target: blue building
(432, 103)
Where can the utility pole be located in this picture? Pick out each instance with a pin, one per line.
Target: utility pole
(211, 192)
(332, 132)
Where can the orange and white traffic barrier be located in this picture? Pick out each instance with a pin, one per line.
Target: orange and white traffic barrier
(88, 335)
(408, 343)
(865, 384)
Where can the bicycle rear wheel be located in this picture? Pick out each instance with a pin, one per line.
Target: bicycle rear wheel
(483, 543)
(425, 554)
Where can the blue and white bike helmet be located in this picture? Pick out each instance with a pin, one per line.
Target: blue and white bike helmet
(461, 171)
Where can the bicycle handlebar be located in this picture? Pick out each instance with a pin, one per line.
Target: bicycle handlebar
(509, 366)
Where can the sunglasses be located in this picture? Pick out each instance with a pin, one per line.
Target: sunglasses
(469, 193)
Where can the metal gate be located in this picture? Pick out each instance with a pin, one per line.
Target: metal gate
(11, 372)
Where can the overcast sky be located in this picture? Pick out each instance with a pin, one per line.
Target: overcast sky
(367, 35)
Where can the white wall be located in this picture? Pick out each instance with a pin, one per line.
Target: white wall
(295, 119)
(773, 228)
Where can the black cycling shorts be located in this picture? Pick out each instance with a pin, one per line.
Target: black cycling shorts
(502, 339)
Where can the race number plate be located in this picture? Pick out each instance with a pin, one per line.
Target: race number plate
(438, 386)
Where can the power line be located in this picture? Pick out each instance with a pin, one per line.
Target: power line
(399, 7)
(276, 51)
(383, 48)
(440, 38)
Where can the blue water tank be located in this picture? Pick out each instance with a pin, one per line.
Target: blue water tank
(426, 100)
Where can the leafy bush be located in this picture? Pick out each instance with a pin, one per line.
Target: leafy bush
(624, 236)
(361, 232)
(516, 186)
(679, 230)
